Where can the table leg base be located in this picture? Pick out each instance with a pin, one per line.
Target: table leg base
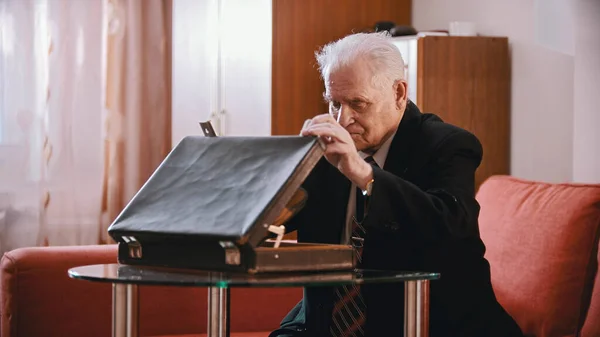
(218, 312)
(416, 308)
(125, 310)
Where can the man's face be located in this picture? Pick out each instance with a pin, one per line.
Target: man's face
(370, 112)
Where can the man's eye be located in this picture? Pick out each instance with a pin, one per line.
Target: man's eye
(359, 104)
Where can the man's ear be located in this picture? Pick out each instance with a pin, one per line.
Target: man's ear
(401, 93)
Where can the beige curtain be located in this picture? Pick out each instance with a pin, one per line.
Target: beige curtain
(137, 99)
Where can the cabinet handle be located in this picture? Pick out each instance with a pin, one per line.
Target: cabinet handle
(216, 121)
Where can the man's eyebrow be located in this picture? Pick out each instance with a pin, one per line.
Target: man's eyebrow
(359, 99)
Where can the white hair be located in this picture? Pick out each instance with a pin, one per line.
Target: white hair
(376, 48)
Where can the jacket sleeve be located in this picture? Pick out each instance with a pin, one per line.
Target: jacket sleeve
(446, 207)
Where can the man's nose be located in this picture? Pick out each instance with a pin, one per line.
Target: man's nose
(346, 116)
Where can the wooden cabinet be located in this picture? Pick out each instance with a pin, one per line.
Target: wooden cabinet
(466, 81)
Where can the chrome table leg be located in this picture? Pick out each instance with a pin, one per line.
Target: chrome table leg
(125, 314)
(416, 308)
(218, 312)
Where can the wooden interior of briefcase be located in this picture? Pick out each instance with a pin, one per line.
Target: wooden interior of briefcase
(294, 205)
(277, 255)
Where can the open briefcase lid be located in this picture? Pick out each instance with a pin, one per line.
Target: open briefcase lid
(219, 189)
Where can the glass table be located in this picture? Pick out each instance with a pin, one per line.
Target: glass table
(127, 278)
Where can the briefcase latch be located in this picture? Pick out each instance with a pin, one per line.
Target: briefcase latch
(232, 253)
(279, 230)
(134, 246)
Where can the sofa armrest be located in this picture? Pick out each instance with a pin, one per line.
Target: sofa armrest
(37, 297)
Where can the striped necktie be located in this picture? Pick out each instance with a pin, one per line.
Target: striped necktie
(349, 311)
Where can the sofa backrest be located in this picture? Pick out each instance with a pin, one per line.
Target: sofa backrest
(37, 298)
(542, 244)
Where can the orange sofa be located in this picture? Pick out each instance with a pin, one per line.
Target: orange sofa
(542, 244)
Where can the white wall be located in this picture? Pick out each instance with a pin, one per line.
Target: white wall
(553, 115)
(586, 140)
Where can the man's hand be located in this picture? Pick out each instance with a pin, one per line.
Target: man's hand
(341, 151)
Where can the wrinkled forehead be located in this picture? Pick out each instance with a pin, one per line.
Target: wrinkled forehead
(351, 80)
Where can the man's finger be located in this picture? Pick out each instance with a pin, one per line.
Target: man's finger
(324, 131)
(305, 125)
(323, 127)
(324, 118)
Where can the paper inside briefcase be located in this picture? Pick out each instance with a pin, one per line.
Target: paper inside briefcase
(221, 203)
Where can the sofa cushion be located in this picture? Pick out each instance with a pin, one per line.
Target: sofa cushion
(541, 243)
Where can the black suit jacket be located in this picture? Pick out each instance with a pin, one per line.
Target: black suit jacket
(422, 216)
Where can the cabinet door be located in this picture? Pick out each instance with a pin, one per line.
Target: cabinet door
(194, 59)
(222, 66)
(408, 49)
(245, 67)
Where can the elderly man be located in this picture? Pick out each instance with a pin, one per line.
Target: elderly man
(416, 175)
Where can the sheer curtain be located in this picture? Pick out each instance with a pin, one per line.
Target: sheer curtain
(84, 114)
(51, 112)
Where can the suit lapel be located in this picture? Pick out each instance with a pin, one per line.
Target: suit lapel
(400, 149)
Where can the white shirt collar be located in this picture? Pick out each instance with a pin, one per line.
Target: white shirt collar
(381, 155)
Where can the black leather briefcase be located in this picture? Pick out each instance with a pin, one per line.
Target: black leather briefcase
(220, 203)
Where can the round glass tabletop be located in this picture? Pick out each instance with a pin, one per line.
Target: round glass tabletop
(145, 275)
